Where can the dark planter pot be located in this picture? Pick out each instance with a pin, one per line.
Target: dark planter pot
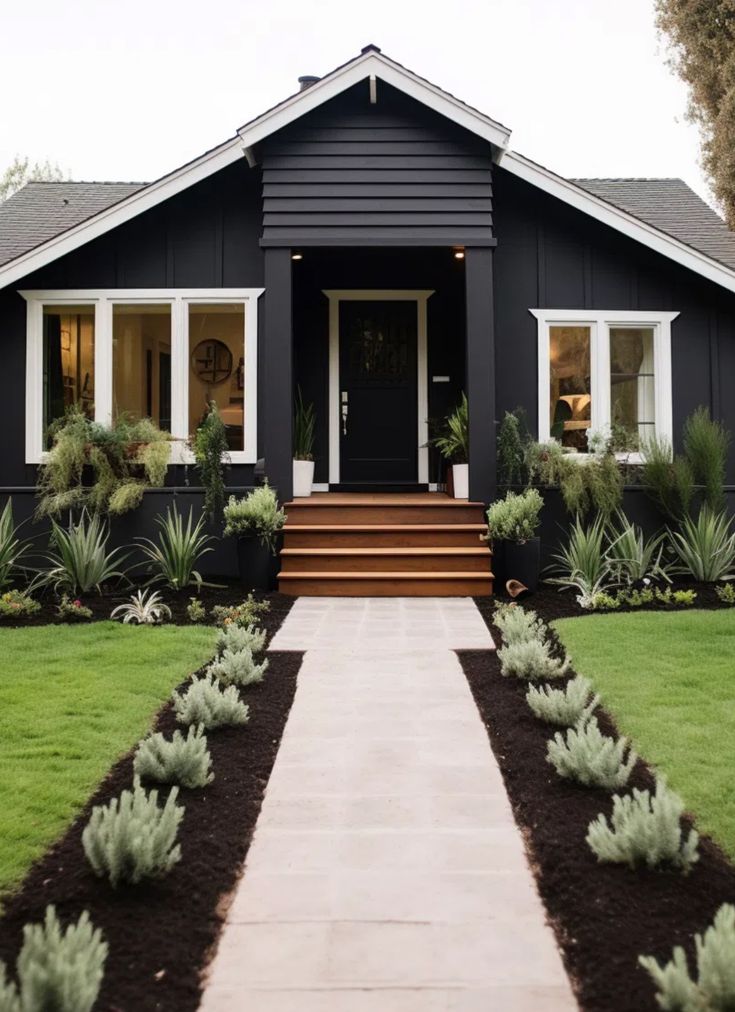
(522, 562)
(257, 565)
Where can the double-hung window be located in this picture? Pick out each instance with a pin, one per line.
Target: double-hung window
(163, 354)
(604, 372)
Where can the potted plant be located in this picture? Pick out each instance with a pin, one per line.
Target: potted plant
(256, 520)
(512, 523)
(454, 446)
(303, 446)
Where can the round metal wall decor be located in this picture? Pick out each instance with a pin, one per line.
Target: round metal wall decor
(211, 361)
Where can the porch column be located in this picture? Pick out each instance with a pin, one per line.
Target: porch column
(481, 371)
(277, 395)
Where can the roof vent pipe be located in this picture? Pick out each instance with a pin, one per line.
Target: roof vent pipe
(306, 81)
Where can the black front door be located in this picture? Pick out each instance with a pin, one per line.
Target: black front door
(378, 392)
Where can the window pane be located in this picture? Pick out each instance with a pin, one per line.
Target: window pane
(217, 367)
(632, 397)
(68, 361)
(141, 362)
(571, 401)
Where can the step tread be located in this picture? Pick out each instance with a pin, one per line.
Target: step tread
(366, 552)
(385, 528)
(379, 502)
(445, 574)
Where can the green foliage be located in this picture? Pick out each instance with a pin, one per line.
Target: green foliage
(178, 550)
(602, 601)
(17, 603)
(706, 443)
(594, 482)
(583, 562)
(209, 446)
(517, 624)
(207, 704)
(240, 614)
(22, 171)
(705, 547)
(237, 667)
(632, 556)
(644, 829)
(78, 557)
(516, 517)
(304, 421)
(668, 480)
(564, 707)
(12, 549)
(635, 598)
(256, 514)
(72, 609)
(58, 971)
(241, 637)
(131, 838)
(714, 988)
(512, 442)
(195, 610)
(182, 760)
(588, 756)
(145, 607)
(726, 594)
(531, 660)
(454, 444)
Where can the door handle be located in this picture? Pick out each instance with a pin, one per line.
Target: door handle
(345, 411)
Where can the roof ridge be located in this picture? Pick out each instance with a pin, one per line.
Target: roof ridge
(86, 182)
(628, 179)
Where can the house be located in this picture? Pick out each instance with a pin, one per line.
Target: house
(376, 241)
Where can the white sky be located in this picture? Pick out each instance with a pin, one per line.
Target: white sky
(130, 89)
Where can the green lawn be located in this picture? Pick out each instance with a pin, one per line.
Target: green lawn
(72, 700)
(669, 681)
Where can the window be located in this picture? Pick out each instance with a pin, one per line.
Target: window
(157, 353)
(604, 372)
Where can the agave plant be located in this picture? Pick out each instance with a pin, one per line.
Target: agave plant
(583, 562)
(179, 547)
(632, 557)
(80, 561)
(145, 607)
(11, 547)
(705, 547)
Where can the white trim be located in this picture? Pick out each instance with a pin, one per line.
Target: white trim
(420, 297)
(103, 301)
(600, 322)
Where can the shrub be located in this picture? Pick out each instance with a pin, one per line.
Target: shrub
(238, 668)
(72, 609)
(178, 550)
(677, 598)
(240, 614)
(255, 515)
(516, 517)
(714, 988)
(145, 607)
(531, 660)
(668, 480)
(80, 561)
(604, 602)
(644, 829)
(131, 838)
(512, 440)
(207, 704)
(12, 549)
(195, 610)
(516, 624)
(58, 971)
(706, 443)
(563, 707)
(241, 637)
(631, 556)
(583, 562)
(705, 547)
(209, 446)
(586, 755)
(726, 594)
(16, 603)
(183, 761)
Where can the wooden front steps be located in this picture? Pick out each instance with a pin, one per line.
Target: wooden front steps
(355, 545)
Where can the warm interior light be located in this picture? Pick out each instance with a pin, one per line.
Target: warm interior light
(297, 256)
(459, 254)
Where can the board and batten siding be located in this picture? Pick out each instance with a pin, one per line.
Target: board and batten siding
(391, 173)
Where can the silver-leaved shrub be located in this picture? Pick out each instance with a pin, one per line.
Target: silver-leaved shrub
(563, 707)
(517, 624)
(588, 756)
(531, 660)
(182, 760)
(238, 667)
(238, 637)
(205, 702)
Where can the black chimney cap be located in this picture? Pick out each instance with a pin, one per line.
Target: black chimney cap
(370, 48)
(306, 81)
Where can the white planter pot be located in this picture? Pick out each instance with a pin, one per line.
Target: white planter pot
(303, 477)
(461, 479)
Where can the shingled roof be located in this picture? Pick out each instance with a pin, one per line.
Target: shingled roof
(40, 211)
(669, 204)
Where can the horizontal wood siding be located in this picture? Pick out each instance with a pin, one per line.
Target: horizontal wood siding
(391, 174)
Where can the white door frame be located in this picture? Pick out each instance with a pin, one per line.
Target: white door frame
(420, 297)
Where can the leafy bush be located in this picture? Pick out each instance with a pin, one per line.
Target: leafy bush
(633, 557)
(644, 829)
(594, 482)
(583, 562)
(512, 442)
(240, 614)
(178, 550)
(564, 707)
(12, 549)
(58, 971)
(131, 838)
(195, 610)
(209, 445)
(517, 624)
(255, 515)
(183, 761)
(17, 603)
(602, 601)
(586, 755)
(706, 443)
(237, 668)
(145, 607)
(72, 609)
(531, 660)
(241, 637)
(668, 480)
(714, 988)
(516, 517)
(726, 594)
(207, 704)
(705, 547)
(303, 428)
(454, 444)
(80, 561)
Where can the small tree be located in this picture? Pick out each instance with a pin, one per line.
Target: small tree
(22, 171)
(210, 453)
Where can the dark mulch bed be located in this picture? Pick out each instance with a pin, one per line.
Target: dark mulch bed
(160, 935)
(605, 916)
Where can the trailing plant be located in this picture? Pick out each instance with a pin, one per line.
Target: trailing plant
(17, 603)
(179, 548)
(517, 624)
(726, 594)
(714, 987)
(304, 421)
(587, 482)
(207, 704)
(644, 829)
(145, 607)
(12, 549)
(240, 614)
(515, 517)
(255, 515)
(241, 637)
(72, 610)
(131, 838)
(195, 610)
(58, 970)
(79, 559)
(705, 547)
(512, 442)
(531, 660)
(209, 445)
(706, 443)
(454, 443)
(588, 756)
(238, 667)
(633, 557)
(182, 760)
(564, 707)
(583, 563)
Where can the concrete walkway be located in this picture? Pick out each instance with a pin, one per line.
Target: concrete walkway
(386, 871)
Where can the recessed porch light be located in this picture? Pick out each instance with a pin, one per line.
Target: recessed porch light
(458, 253)
(297, 256)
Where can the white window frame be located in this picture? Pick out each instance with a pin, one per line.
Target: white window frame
(103, 300)
(600, 323)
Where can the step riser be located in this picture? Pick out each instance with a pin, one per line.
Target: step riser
(385, 564)
(405, 587)
(350, 515)
(381, 539)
